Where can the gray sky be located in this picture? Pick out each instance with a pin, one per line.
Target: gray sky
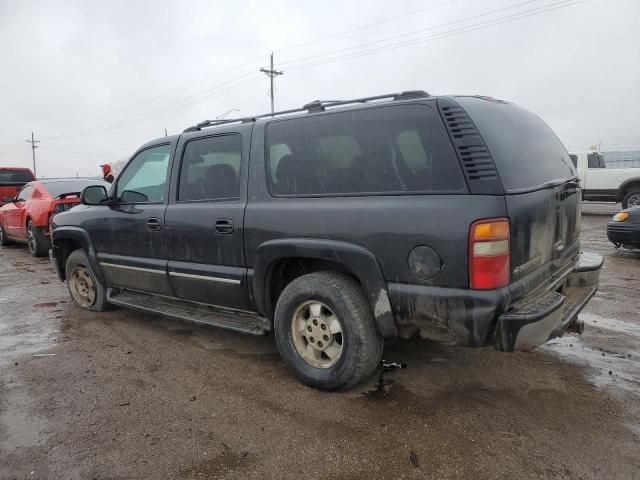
(100, 78)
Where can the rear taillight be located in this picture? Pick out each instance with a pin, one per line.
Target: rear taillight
(489, 252)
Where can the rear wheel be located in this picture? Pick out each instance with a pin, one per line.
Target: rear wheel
(4, 241)
(37, 241)
(631, 198)
(325, 331)
(85, 289)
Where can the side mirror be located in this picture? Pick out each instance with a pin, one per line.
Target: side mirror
(8, 199)
(93, 195)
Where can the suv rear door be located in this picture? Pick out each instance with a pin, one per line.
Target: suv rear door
(205, 218)
(542, 193)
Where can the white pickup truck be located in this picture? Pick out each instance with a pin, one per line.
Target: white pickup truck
(602, 184)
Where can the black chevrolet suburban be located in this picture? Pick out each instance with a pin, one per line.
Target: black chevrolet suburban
(340, 224)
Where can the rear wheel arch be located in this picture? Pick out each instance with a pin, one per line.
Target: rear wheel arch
(627, 186)
(279, 262)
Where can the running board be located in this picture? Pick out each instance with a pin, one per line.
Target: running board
(200, 313)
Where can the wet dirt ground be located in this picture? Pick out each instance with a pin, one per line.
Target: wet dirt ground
(123, 394)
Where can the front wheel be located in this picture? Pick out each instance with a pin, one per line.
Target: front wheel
(325, 331)
(631, 199)
(37, 241)
(85, 289)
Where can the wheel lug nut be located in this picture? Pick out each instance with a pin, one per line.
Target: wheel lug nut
(323, 326)
(326, 338)
(309, 328)
(311, 339)
(320, 344)
(315, 322)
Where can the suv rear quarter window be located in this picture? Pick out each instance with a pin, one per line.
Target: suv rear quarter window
(526, 151)
(384, 150)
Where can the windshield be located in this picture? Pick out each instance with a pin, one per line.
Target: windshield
(57, 189)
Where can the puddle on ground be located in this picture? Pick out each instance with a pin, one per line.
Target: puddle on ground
(384, 384)
(25, 337)
(22, 335)
(609, 365)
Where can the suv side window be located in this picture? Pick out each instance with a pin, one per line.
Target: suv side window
(145, 177)
(24, 194)
(211, 168)
(595, 160)
(397, 149)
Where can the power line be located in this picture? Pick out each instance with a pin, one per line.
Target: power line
(174, 90)
(160, 111)
(271, 73)
(362, 27)
(81, 153)
(33, 142)
(323, 59)
(408, 34)
(458, 31)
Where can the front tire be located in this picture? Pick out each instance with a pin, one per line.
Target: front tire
(631, 199)
(37, 241)
(85, 289)
(325, 331)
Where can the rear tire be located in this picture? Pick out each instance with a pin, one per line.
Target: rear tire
(631, 198)
(4, 241)
(325, 331)
(85, 289)
(37, 241)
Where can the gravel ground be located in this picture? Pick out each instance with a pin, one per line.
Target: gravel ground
(129, 395)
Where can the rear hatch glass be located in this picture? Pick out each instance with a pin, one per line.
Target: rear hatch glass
(542, 194)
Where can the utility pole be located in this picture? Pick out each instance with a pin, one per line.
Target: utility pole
(33, 142)
(271, 73)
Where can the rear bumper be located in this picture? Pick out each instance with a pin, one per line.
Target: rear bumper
(534, 320)
(481, 317)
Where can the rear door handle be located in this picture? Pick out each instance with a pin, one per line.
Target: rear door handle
(224, 225)
(154, 224)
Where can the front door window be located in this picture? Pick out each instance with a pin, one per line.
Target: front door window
(145, 178)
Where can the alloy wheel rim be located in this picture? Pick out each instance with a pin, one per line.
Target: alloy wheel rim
(634, 200)
(31, 239)
(82, 286)
(317, 334)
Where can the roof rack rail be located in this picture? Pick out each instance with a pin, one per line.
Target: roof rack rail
(311, 107)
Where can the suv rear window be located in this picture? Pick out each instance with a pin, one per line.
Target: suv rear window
(15, 176)
(395, 149)
(526, 151)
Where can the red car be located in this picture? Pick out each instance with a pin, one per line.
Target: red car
(26, 217)
(12, 180)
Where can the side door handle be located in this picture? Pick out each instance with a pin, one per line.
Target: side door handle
(154, 224)
(224, 225)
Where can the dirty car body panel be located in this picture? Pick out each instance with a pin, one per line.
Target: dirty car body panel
(386, 193)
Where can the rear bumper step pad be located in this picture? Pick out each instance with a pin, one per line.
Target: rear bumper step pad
(533, 321)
